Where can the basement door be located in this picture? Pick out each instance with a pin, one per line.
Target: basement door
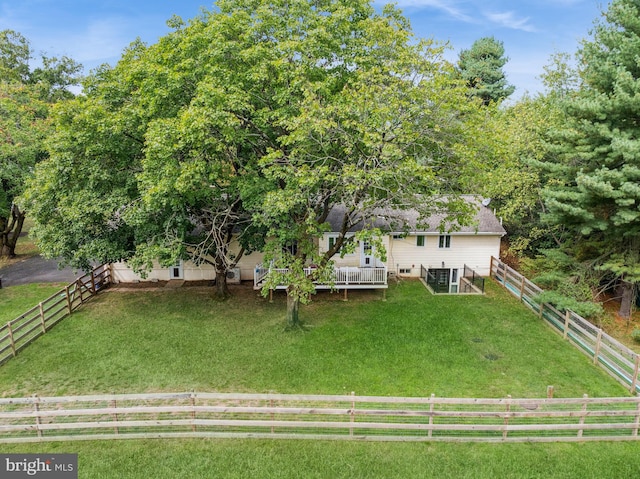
(176, 271)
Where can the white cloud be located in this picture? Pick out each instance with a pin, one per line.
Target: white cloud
(509, 20)
(447, 6)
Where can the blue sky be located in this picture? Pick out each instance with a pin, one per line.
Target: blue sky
(95, 32)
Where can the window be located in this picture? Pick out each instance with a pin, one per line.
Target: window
(444, 241)
(291, 248)
(331, 242)
(420, 240)
(405, 271)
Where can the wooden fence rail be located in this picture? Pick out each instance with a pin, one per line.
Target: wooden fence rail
(17, 334)
(349, 417)
(617, 359)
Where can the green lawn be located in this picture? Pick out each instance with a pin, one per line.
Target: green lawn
(15, 300)
(414, 344)
(195, 459)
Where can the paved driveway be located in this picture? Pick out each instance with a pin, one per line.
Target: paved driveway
(36, 270)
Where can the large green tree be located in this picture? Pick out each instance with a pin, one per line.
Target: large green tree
(481, 66)
(26, 96)
(595, 157)
(370, 124)
(253, 121)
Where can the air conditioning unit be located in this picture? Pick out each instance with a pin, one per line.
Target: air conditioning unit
(233, 276)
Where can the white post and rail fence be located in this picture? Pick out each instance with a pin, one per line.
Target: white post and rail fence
(346, 417)
(20, 332)
(614, 357)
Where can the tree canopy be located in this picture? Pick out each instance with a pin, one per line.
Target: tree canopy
(251, 122)
(26, 97)
(595, 156)
(481, 66)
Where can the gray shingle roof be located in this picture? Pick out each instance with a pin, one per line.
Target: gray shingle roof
(398, 221)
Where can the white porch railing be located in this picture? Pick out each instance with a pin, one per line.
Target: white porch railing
(343, 276)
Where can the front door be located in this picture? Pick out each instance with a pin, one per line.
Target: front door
(367, 259)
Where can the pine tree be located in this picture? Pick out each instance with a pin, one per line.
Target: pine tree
(481, 67)
(597, 153)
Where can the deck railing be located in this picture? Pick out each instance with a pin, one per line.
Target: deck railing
(342, 275)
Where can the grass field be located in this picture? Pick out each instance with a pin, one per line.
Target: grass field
(414, 344)
(15, 300)
(206, 459)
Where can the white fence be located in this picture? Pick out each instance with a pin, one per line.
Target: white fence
(617, 359)
(343, 276)
(347, 417)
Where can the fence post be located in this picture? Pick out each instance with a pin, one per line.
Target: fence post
(549, 392)
(598, 343)
(114, 405)
(506, 417)
(431, 409)
(273, 416)
(353, 412)
(583, 414)
(491, 267)
(522, 288)
(634, 381)
(79, 288)
(637, 421)
(13, 343)
(541, 311)
(68, 295)
(567, 317)
(93, 283)
(192, 398)
(504, 274)
(44, 327)
(36, 410)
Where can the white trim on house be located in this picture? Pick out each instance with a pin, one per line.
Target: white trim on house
(470, 245)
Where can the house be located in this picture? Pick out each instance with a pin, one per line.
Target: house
(438, 257)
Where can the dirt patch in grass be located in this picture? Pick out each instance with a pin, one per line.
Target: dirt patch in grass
(618, 327)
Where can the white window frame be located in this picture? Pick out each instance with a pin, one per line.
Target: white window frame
(444, 242)
(334, 237)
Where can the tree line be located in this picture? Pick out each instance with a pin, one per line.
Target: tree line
(252, 121)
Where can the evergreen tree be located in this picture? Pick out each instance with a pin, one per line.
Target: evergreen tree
(596, 154)
(481, 67)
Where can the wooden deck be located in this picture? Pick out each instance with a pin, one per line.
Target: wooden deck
(344, 277)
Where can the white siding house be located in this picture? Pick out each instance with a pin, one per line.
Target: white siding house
(420, 250)
(410, 253)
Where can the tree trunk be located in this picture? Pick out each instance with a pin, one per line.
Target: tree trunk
(222, 288)
(293, 317)
(628, 297)
(10, 229)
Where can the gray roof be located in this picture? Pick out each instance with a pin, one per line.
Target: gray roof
(402, 221)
